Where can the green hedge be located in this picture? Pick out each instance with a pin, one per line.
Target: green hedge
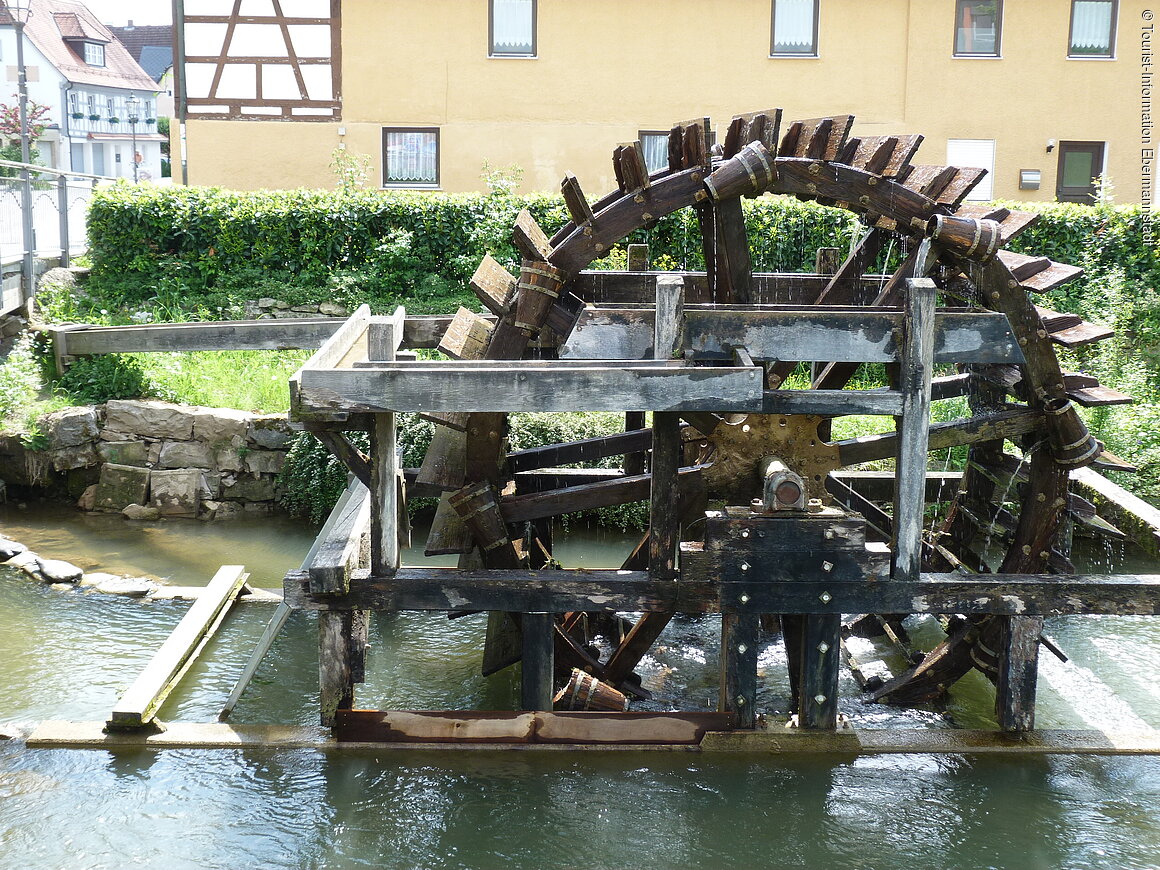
(207, 250)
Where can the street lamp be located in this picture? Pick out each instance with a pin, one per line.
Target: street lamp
(133, 103)
(20, 11)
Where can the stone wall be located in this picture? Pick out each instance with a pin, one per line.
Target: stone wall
(268, 307)
(150, 459)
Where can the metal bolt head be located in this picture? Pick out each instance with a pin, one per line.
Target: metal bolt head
(829, 534)
(744, 566)
(742, 649)
(745, 533)
(827, 566)
(825, 598)
(740, 701)
(821, 699)
(744, 598)
(823, 647)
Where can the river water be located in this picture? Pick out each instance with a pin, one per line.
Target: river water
(68, 655)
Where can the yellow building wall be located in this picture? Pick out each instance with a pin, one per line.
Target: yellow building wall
(609, 68)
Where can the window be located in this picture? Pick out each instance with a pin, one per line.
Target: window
(94, 54)
(655, 146)
(978, 26)
(974, 152)
(1080, 163)
(1093, 28)
(411, 157)
(795, 28)
(74, 103)
(512, 25)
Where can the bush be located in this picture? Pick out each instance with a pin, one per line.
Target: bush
(91, 380)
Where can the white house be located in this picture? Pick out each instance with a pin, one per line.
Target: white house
(77, 68)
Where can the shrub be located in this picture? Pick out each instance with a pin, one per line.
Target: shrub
(91, 380)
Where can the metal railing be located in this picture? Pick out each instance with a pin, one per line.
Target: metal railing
(58, 204)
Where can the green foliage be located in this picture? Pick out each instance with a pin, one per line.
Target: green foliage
(92, 380)
(20, 381)
(312, 480)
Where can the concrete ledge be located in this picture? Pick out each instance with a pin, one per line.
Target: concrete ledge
(851, 742)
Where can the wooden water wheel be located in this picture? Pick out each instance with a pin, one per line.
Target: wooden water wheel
(497, 506)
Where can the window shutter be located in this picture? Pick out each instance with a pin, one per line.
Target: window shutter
(974, 152)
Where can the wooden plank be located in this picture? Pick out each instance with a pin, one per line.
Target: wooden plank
(138, 706)
(622, 490)
(586, 450)
(467, 336)
(1055, 275)
(796, 334)
(341, 550)
(917, 366)
(864, 191)
(799, 288)
(699, 590)
(1099, 396)
(1081, 334)
(448, 533)
(272, 334)
(494, 285)
(1006, 424)
(575, 201)
(529, 239)
(960, 185)
(335, 663)
(344, 340)
(562, 728)
(451, 387)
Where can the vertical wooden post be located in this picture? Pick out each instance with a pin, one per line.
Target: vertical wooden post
(342, 634)
(739, 667)
(1018, 672)
(335, 676)
(917, 363)
(818, 702)
(538, 660)
(664, 519)
(634, 462)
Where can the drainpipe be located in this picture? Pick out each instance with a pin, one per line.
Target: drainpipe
(179, 89)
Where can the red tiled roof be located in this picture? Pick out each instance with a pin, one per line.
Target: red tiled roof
(54, 21)
(138, 36)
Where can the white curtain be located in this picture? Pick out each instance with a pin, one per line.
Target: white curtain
(511, 26)
(412, 157)
(656, 150)
(793, 26)
(1091, 27)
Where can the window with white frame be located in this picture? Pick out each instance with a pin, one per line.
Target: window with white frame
(794, 31)
(74, 103)
(655, 146)
(978, 28)
(979, 153)
(512, 25)
(94, 54)
(410, 157)
(1093, 28)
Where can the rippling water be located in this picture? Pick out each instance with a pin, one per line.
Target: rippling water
(69, 655)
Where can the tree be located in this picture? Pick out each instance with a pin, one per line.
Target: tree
(38, 120)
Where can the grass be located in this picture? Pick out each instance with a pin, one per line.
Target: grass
(249, 380)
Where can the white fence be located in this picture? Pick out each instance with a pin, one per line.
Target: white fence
(59, 208)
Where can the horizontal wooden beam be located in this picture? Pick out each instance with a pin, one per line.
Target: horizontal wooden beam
(1006, 424)
(586, 450)
(219, 335)
(449, 589)
(791, 288)
(457, 387)
(837, 334)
